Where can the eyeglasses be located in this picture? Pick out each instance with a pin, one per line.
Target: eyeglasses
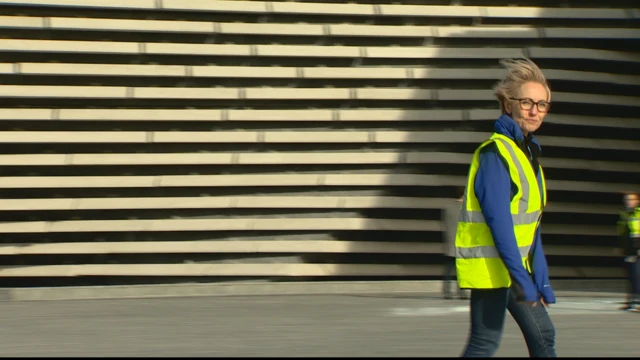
(527, 104)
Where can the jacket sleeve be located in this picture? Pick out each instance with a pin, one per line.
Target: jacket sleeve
(492, 186)
(541, 271)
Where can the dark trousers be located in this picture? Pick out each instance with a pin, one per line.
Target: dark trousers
(633, 275)
(488, 311)
(450, 277)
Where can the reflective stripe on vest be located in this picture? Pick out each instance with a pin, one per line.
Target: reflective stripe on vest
(477, 260)
(489, 252)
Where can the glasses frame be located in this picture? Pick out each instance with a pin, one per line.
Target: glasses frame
(537, 104)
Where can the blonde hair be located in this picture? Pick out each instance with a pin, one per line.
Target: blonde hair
(632, 194)
(519, 72)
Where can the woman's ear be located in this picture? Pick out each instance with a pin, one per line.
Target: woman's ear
(508, 106)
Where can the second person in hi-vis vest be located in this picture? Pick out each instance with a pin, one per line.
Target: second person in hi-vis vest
(499, 253)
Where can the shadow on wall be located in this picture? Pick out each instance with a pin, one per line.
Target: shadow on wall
(453, 110)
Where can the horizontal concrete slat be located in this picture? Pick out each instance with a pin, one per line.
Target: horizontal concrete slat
(392, 52)
(575, 53)
(228, 224)
(33, 159)
(262, 201)
(400, 115)
(553, 13)
(227, 246)
(34, 91)
(260, 224)
(429, 136)
(196, 49)
(591, 33)
(592, 165)
(72, 137)
(324, 9)
(263, 246)
(268, 270)
(395, 94)
(244, 72)
(129, 25)
(629, 123)
(280, 158)
(281, 115)
(354, 73)
(100, 69)
(295, 72)
(216, 6)
(586, 272)
(120, 4)
(26, 114)
(139, 114)
(437, 158)
(245, 115)
(240, 180)
(265, 224)
(340, 9)
(186, 93)
(67, 46)
(22, 182)
(578, 229)
(205, 137)
(582, 208)
(26, 182)
(467, 95)
(381, 30)
(590, 76)
(319, 158)
(597, 99)
(272, 29)
(591, 186)
(221, 270)
(297, 93)
(150, 159)
(430, 11)
(106, 47)
(26, 22)
(486, 32)
(561, 141)
(308, 51)
(579, 250)
(316, 137)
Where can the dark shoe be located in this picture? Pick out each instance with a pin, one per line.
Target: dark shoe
(626, 307)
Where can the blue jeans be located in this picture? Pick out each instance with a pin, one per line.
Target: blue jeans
(488, 311)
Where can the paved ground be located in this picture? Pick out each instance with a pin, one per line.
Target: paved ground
(288, 326)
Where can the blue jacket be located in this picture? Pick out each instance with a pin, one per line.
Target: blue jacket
(495, 190)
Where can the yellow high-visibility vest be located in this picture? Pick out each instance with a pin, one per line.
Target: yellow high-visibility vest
(634, 224)
(630, 221)
(478, 262)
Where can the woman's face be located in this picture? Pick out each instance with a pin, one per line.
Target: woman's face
(526, 107)
(631, 201)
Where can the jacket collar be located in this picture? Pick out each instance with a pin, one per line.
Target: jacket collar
(505, 125)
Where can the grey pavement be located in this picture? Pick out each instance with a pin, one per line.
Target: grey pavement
(378, 325)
